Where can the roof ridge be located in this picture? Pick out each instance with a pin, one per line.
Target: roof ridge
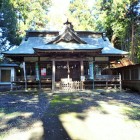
(68, 35)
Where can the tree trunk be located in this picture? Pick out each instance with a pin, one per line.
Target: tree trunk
(132, 43)
(113, 39)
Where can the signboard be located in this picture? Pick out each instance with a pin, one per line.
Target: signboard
(30, 59)
(24, 70)
(43, 58)
(82, 78)
(91, 76)
(89, 58)
(101, 58)
(37, 71)
(25, 78)
(43, 71)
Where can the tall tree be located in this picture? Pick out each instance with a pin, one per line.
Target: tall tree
(4, 43)
(9, 21)
(21, 15)
(119, 19)
(32, 13)
(133, 15)
(81, 14)
(111, 17)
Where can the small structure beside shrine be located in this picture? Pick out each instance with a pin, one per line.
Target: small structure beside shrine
(65, 60)
(130, 76)
(7, 74)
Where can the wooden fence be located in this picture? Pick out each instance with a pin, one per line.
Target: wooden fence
(67, 84)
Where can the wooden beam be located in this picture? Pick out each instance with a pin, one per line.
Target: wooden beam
(25, 76)
(82, 72)
(93, 85)
(82, 67)
(53, 75)
(120, 82)
(39, 68)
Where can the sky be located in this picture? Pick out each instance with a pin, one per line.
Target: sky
(58, 12)
(60, 6)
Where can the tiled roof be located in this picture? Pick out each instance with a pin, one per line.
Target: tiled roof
(68, 39)
(27, 47)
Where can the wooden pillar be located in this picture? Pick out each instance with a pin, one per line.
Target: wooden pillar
(122, 74)
(39, 73)
(82, 67)
(120, 81)
(68, 71)
(129, 74)
(138, 73)
(12, 77)
(93, 85)
(25, 76)
(82, 72)
(91, 71)
(53, 75)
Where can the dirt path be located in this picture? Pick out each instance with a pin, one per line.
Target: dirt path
(101, 116)
(72, 116)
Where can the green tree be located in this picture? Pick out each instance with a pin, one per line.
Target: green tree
(111, 18)
(119, 19)
(81, 14)
(32, 12)
(134, 21)
(137, 44)
(20, 15)
(9, 20)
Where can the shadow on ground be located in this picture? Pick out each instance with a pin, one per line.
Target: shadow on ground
(67, 103)
(22, 111)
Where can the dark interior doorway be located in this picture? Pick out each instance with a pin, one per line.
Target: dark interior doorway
(65, 69)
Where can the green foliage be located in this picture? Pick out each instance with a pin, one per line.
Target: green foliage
(10, 21)
(116, 17)
(137, 44)
(111, 16)
(1, 3)
(133, 16)
(132, 12)
(32, 13)
(81, 15)
(21, 15)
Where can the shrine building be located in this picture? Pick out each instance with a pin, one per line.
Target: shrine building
(48, 58)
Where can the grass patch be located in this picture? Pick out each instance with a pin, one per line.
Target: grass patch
(133, 113)
(65, 99)
(21, 92)
(60, 104)
(8, 113)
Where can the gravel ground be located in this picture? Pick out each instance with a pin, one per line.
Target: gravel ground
(20, 112)
(30, 117)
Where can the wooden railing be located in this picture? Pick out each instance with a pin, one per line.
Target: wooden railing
(67, 84)
(31, 82)
(108, 81)
(73, 85)
(31, 78)
(107, 77)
